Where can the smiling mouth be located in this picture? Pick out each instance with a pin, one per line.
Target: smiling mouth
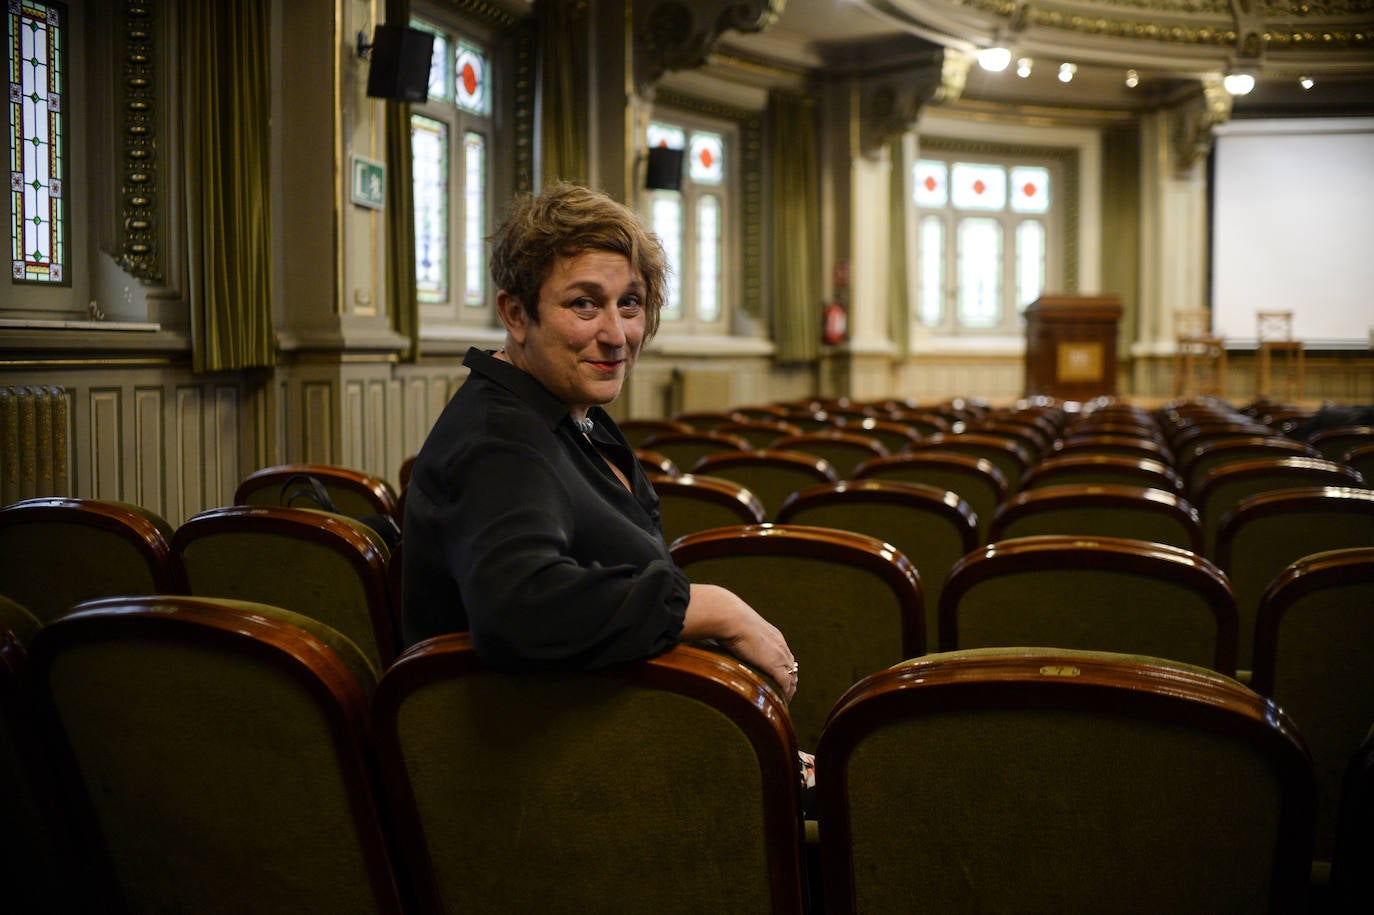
(609, 365)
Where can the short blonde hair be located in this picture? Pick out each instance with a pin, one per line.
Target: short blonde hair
(564, 220)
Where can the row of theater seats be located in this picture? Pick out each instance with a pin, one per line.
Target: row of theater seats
(186, 754)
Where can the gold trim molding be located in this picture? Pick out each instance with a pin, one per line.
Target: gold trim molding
(138, 189)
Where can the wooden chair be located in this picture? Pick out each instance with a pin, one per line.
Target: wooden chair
(1335, 441)
(1100, 510)
(772, 475)
(1099, 594)
(1267, 532)
(760, 433)
(637, 430)
(1314, 650)
(1044, 780)
(692, 503)
(922, 422)
(767, 412)
(56, 552)
(216, 754)
(325, 566)
(1215, 452)
(1006, 454)
(353, 492)
(684, 449)
(847, 603)
(1199, 355)
(1098, 469)
(1030, 437)
(932, 527)
(1221, 488)
(667, 785)
(1277, 350)
(974, 479)
(843, 450)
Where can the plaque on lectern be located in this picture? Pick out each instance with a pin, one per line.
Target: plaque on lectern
(1071, 346)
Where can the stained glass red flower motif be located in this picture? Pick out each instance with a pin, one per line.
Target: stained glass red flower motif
(469, 77)
(979, 187)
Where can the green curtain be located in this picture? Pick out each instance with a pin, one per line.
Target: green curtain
(898, 288)
(564, 90)
(400, 212)
(794, 168)
(225, 144)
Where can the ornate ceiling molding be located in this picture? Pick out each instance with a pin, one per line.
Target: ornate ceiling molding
(678, 35)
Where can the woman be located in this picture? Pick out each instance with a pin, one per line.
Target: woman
(528, 520)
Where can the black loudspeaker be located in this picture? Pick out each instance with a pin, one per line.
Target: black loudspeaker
(400, 63)
(665, 169)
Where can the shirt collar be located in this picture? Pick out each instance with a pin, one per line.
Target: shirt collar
(524, 385)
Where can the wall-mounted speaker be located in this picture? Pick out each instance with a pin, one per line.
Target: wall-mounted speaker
(400, 63)
(665, 169)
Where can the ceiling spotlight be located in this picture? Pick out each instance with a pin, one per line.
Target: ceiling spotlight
(1306, 82)
(1066, 72)
(1132, 79)
(994, 60)
(1023, 67)
(1238, 83)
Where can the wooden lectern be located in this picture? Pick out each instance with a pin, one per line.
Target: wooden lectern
(1071, 346)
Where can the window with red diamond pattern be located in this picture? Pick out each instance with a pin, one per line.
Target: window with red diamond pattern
(694, 224)
(986, 230)
(450, 137)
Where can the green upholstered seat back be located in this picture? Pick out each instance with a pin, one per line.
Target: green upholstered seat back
(978, 491)
(1225, 495)
(1265, 545)
(841, 621)
(224, 774)
(1324, 678)
(929, 539)
(1040, 810)
(285, 570)
(1091, 609)
(348, 500)
(771, 483)
(1138, 522)
(684, 513)
(575, 794)
(50, 565)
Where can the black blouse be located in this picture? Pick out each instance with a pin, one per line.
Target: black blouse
(517, 531)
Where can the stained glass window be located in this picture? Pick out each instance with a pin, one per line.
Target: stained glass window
(475, 216)
(707, 158)
(429, 171)
(37, 77)
(666, 218)
(932, 267)
(980, 272)
(470, 79)
(440, 86)
(666, 135)
(1030, 189)
(978, 187)
(931, 184)
(708, 257)
(1030, 262)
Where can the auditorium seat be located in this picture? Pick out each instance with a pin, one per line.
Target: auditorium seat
(684, 449)
(1099, 594)
(1267, 532)
(843, 450)
(706, 420)
(974, 479)
(692, 502)
(322, 565)
(931, 527)
(1006, 454)
(1352, 877)
(848, 604)
(637, 430)
(216, 754)
(1030, 437)
(1335, 441)
(1222, 487)
(922, 422)
(56, 552)
(892, 435)
(1314, 653)
(772, 475)
(653, 462)
(1100, 510)
(1091, 469)
(1043, 780)
(760, 433)
(352, 492)
(1361, 459)
(1090, 443)
(666, 785)
(1220, 451)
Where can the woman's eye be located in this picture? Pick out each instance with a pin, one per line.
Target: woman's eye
(630, 306)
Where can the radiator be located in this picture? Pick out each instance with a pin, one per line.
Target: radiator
(35, 432)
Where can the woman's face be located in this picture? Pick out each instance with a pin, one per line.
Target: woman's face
(590, 329)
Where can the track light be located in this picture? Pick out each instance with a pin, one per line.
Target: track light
(1066, 72)
(994, 60)
(1132, 79)
(1023, 67)
(1306, 81)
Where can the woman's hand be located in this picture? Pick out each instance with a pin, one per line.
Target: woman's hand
(716, 613)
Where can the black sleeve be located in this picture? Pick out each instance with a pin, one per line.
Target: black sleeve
(530, 602)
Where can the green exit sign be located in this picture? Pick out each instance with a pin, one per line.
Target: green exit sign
(369, 183)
